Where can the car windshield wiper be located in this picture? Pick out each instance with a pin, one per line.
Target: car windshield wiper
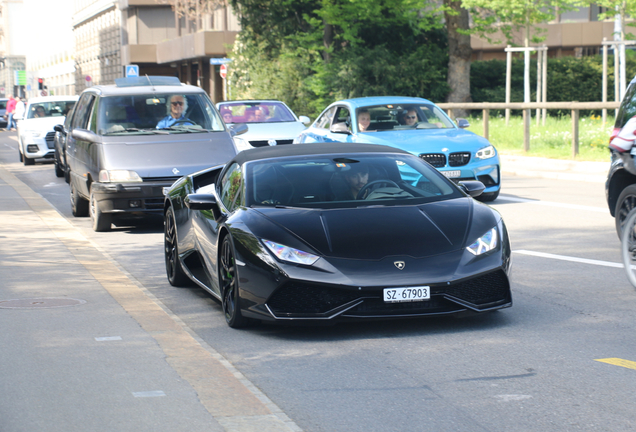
(188, 129)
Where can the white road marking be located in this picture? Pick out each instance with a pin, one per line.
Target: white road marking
(512, 397)
(571, 259)
(553, 204)
(108, 338)
(153, 393)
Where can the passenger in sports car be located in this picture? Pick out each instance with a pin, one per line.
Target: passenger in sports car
(364, 120)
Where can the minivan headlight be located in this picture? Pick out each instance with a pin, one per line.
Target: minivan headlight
(118, 176)
(485, 243)
(486, 153)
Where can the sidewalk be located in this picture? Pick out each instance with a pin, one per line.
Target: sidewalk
(87, 348)
(595, 172)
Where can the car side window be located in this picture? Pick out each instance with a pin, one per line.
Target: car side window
(82, 111)
(324, 121)
(628, 107)
(343, 116)
(231, 187)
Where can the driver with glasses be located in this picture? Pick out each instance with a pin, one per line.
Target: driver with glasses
(176, 106)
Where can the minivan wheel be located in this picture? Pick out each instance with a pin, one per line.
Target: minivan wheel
(625, 203)
(79, 205)
(101, 221)
(59, 172)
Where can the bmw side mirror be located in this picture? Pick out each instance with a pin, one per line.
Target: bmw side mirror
(472, 187)
(304, 120)
(340, 128)
(237, 129)
(84, 135)
(462, 123)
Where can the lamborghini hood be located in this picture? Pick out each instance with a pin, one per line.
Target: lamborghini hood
(373, 233)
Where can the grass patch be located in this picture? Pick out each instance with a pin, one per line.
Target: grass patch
(554, 140)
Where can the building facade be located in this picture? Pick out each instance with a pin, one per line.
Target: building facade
(111, 34)
(12, 49)
(574, 33)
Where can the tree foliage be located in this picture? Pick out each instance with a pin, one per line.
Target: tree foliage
(312, 52)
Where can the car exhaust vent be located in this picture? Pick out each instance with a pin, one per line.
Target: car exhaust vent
(458, 159)
(489, 288)
(305, 299)
(438, 160)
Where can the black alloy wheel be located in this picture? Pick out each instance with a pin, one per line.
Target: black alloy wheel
(228, 279)
(626, 203)
(174, 271)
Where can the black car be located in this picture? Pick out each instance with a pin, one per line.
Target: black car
(287, 233)
(620, 187)
(59, 143)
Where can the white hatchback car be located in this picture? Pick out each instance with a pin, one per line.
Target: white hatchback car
(35, 131)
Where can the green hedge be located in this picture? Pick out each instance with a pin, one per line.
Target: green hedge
(569, 79)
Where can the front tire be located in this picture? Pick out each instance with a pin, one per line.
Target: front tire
(626, 203)
(79, 205)
(101, 221)
(174, 271)
(228, 279)
(628, 247)
(59, 172)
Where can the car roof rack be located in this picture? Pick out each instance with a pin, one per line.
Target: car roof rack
(147, 81)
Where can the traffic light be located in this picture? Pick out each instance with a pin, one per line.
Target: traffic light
(40, 83)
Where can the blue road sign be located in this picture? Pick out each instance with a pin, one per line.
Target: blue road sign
(132, 70)
(219, 61)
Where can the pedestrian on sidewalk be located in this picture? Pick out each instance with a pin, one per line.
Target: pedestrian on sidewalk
(10, 110)
(20, 109)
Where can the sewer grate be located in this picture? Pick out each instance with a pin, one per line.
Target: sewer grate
(40, 303)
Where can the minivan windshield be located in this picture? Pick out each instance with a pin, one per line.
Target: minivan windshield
(157, 113)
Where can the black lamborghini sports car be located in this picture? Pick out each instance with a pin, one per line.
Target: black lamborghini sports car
(320, 232)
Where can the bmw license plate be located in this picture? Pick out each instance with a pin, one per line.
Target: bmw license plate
(412, 294)
(452, 174)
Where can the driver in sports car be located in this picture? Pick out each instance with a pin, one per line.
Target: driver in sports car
(176, 106)
(356, 178)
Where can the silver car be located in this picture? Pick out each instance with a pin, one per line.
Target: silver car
(270, 122)
(127, 142)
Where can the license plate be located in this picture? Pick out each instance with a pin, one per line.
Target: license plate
(451, 174)
(412, 294)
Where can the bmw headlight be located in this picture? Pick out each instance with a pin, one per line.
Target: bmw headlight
(486, 153)
(118, 176)
(286, 253)
(241, 144)
(485, 243)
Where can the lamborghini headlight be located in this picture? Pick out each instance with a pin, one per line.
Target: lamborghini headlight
(286, 253)
(485, 243)
(118, 176)
(486, 153)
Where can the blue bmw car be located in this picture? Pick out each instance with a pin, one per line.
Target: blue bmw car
(416, 125)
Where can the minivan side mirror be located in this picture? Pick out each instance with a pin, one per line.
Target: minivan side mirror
(58, 128)
(304, 120)
(84, 135)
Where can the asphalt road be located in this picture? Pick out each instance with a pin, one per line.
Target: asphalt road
(532, 367)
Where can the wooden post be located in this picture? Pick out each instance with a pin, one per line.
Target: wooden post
(486, 116)
(526, 130)
(604, 88)
(508, 82)
(575, 133)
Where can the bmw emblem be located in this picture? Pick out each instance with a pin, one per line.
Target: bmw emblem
(272, 142)
(400, 265)
(175, 171)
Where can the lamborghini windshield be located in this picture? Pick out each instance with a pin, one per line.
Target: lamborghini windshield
(351, 181)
